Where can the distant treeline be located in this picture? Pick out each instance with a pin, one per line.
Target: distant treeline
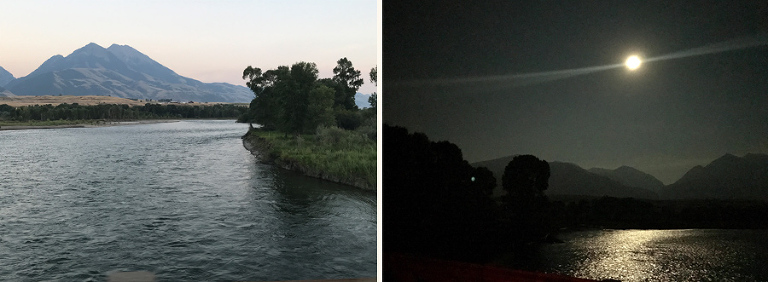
(117, 112)
(629, 213)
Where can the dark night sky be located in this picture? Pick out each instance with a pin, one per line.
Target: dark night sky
(664, 118)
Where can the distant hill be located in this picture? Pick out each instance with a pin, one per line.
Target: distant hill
(361, 100)
(570, 179)
(631, 177)
(5, 77)
(728, 177)
(5, 93)
(120, 71)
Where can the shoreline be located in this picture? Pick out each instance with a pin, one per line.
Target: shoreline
(261, 148)
(85, 125)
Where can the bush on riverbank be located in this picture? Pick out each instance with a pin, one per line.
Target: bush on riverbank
(333, 154)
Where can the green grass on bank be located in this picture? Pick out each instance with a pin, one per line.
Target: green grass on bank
(341, 153)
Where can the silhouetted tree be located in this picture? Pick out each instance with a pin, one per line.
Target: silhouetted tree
(525, 179)
(484, 181)
(433, 206)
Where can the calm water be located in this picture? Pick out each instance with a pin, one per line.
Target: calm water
(660, 255)
(184, 200)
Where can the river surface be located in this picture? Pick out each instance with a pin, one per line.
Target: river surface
(660, 255)
(183, 200)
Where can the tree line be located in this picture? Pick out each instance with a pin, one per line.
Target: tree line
(117, 112)
(439, 205)
(294, 100)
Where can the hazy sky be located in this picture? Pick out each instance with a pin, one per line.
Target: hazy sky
(664, 118)
(212, 41)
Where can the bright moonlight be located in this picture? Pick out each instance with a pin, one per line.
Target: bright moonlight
(633, 62)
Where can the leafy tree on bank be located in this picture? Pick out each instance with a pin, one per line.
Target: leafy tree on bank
(320, 109)
(349, 82)
(484, 181)
(293, 100)
(525, 179)
(373, 99)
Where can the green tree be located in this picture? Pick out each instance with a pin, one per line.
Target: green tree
(373, 99)
(296, 92)
(266, 108)
(320, 110)
(349, 82)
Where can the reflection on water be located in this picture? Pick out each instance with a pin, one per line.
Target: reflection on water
(661, 255)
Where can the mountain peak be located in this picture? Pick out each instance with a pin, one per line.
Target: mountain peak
(143, 63)
(630, 177)
(728, 177)
(91, 47)
(727, 160)
(626, 168)
(122, 48)
(5, 77)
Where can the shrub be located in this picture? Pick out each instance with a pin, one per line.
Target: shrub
(349, 120)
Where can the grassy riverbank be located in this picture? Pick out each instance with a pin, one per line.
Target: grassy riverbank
(333, 154)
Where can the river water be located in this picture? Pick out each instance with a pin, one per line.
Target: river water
(659, 255)
(183, 200)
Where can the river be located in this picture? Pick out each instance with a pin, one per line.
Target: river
(183, 200)
(659, 255)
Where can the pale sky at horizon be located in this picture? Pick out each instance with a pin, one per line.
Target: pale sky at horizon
(211, 41)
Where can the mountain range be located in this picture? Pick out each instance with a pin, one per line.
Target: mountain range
(361, 100)
(631, 177)
(728, 177)
(572, 180)
(119, 71)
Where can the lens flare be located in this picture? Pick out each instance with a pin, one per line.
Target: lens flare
(633, 62)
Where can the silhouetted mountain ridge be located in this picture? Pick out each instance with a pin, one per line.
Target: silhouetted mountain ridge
(728, 177)
(570, 179)
(631, 177)
(120, 71)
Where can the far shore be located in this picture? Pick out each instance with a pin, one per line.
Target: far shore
(86, 125)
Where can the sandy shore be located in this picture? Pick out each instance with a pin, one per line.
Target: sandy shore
(115, 123)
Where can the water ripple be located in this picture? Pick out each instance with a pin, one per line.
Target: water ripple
(183, 200)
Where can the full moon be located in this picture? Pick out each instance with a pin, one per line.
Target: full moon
(633, 62)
